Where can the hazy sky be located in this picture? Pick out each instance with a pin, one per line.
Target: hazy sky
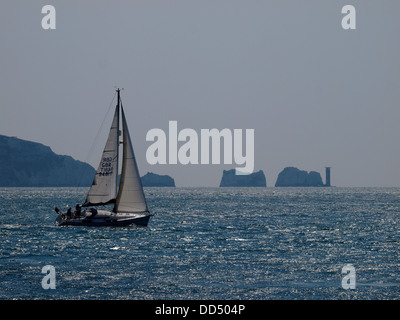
(315, 94)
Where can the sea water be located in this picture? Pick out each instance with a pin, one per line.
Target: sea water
(207, 243)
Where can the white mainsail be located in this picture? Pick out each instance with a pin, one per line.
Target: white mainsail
(104, 187)
(130, 196)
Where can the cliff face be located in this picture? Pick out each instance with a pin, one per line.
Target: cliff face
(293, 177)
(154, 180)
(255, 179)
(30, 164)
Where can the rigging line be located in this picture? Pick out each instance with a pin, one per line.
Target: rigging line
(97, 135)
(100, 129)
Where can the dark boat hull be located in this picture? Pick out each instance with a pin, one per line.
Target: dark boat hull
(105, 221)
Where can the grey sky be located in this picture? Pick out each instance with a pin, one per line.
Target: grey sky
(316, 95)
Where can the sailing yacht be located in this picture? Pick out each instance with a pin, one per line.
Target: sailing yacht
(130, 206)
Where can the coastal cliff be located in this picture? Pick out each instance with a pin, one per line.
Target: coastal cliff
(293, 177)
(155, 180)
(30, 164)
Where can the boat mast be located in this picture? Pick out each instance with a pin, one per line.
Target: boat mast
(119, 99)
(118, 139)
(119, 112)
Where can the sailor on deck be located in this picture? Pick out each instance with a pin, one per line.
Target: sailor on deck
(78, 211)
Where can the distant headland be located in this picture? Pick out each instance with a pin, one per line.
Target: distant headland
(155, 180)
(255, 179)
(31, 164)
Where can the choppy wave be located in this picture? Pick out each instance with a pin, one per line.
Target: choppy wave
(207, 243)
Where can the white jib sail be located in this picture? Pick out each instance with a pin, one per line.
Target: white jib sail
(130, 195)
(104, 187)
